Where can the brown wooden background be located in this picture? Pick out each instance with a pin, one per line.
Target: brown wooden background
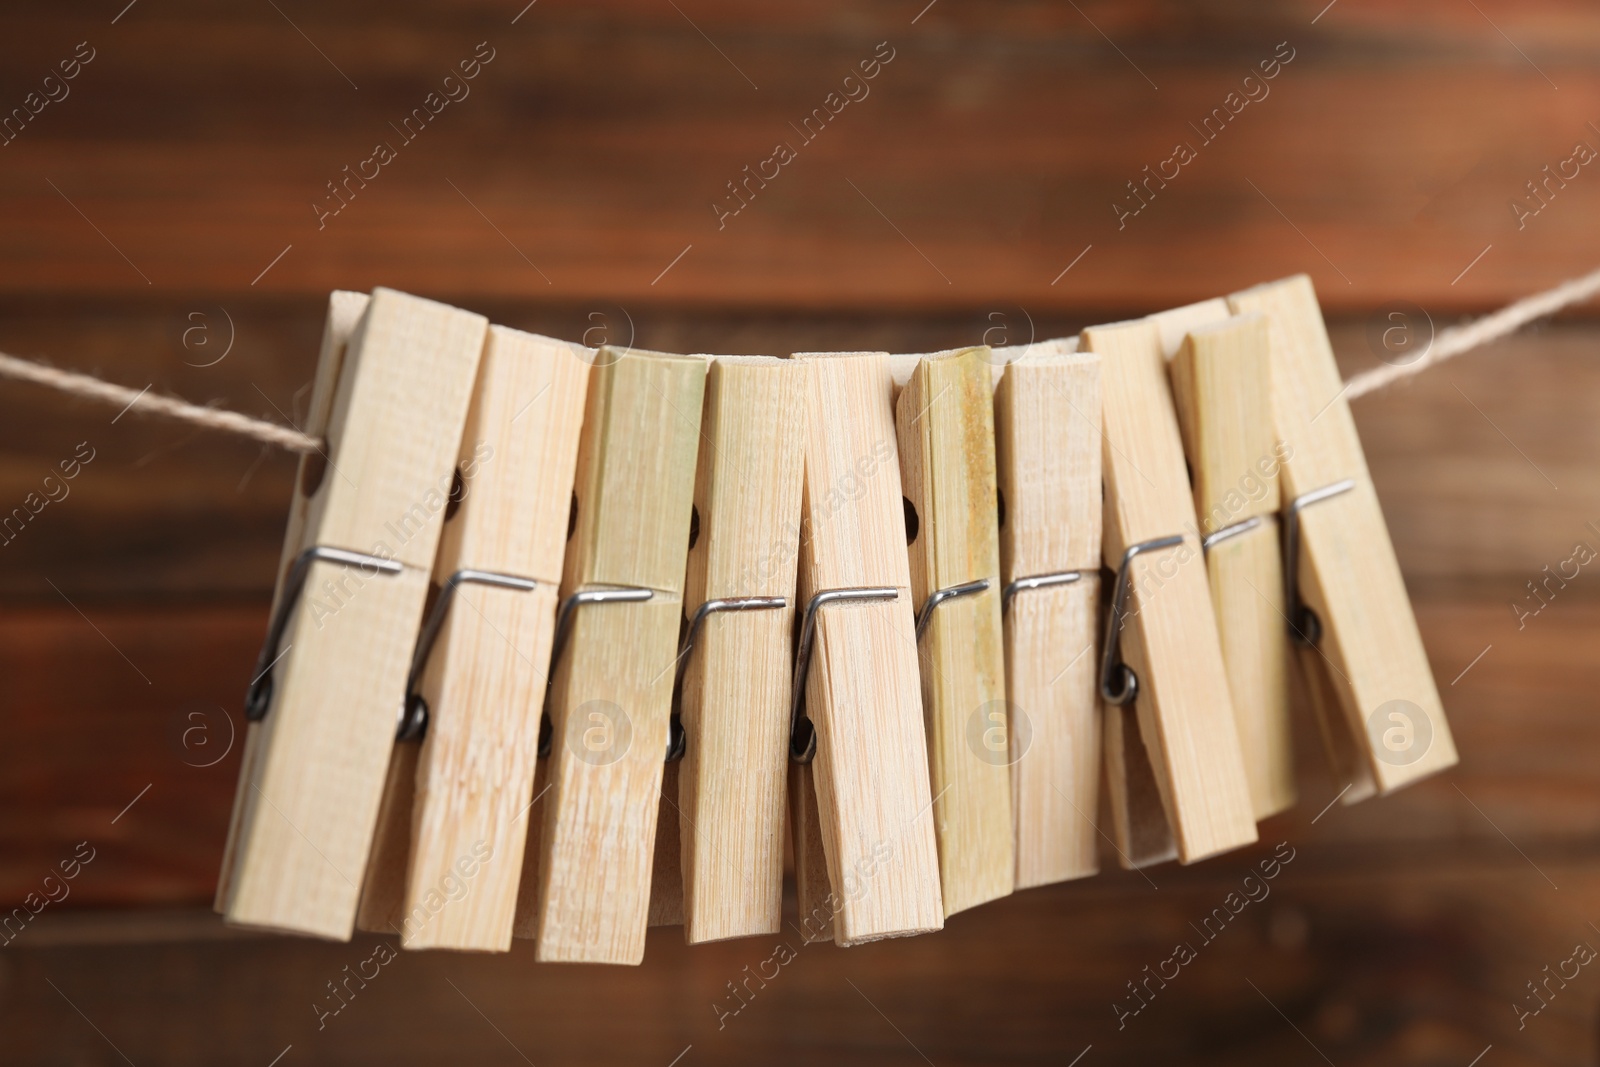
(153, 200)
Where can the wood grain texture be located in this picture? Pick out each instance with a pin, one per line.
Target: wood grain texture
(1169, 639)
(1047, 449)
(994, 142)
(344, 313)
(944, 420)
(1221, 383)
(166, 515)
(1361, 143)
(1350, 576)
(1419, 961)
(816, 904)
(1174, 325)
(1221, 386)
(612, 690)
(863, 692)
(735, 704)
(486, 678)
(316, 764)
(382, 907)
(666, 868)
(1246, 575)
(1421, 924)
(1056, 747)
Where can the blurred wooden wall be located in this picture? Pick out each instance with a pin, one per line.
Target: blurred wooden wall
(160, 214)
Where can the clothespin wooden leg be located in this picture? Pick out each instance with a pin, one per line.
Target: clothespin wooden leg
(945, 424)
(344, 313)
(1345, 599)
(1047, 445)
(1162, 654)
(391, 402)
(860, 683)
(666, 868)
(612, 692)
(447, 864)
(722, 856)
(1221, 380)
(815, 905)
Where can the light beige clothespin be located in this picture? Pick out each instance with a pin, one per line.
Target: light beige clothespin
(587, 869)
(944, 420)
(1047, 444)
(719, 848)
(391, 395)
(1175, 772)
(1363, 658)
(863, 801)
(1221, 380)
(448, 856)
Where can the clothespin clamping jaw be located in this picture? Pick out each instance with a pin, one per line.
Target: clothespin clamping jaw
(449, 853)
(1362, 656)
(1047, 446)
(866, 864)
(1175, 773)
(586, 879)
(719, 845)
(390, 399)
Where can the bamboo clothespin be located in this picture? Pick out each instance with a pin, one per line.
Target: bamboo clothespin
(723, 803)
(390, 398)
(1183, 790)
(945, 426)
(1047, 444)
(863, 803)
(586, 879)
(1221, 383)
(1363, 658)
(448, 856)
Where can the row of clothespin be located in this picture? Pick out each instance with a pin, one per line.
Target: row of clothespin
(570, 642)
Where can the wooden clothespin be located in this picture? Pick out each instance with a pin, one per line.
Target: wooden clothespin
(1363, 658)
(1221, 382)
(863, 801)
(1183, 790)
(1047, 444)
(944, 420)
(391, 395)
(719, 848)
(448, 856)
(586, 880)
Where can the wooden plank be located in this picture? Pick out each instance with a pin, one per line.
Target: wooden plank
(453, 883)
(735, 703)
(1169, 639)
(612, 690)
(1369, 965)
(316, 767)
(1047, 447)
(862, 690)
(1349, 575)
(1334, 145)
(944, 421)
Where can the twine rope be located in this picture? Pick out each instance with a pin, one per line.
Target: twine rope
(1452, 341)
(1448, 344)
(88, 387)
